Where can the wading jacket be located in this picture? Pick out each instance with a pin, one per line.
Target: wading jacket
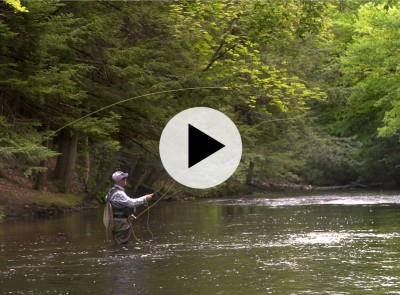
(123, 205)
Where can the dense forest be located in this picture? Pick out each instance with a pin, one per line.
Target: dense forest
(86, 87)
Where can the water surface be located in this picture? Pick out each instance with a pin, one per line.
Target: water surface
(281, 244)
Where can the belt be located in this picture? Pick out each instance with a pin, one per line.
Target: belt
(120, 215)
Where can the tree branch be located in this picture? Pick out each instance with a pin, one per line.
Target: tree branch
(217, 54)
(140, 145)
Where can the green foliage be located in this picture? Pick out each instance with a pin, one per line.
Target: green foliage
(371, 64)
(238, 44)
(21, 146)
(93, 66)
(362, 85)
(381, 161)
(330, 160)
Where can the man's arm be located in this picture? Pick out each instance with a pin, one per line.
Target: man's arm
(122, 199)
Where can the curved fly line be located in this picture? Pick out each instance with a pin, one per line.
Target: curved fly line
(158, 93)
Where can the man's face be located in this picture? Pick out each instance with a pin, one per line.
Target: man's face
(121, 182)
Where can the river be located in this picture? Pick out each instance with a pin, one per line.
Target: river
(330, 243)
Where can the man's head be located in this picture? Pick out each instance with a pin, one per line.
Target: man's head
(120, 177)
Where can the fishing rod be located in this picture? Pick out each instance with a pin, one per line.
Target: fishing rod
(148, 210)
(157, 93)
(52, 133)
(166, 192)
(159, 199)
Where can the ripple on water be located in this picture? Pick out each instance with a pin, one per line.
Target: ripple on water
(315, 200)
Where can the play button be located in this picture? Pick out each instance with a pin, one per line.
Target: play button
(200, 147)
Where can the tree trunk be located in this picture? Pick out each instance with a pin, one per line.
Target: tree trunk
(138, 174)
(110, 166)
(41, 179)
(64, 141)
(139, 182)
(70, 164)
(250, 173)
(155, 174)
(86, 165)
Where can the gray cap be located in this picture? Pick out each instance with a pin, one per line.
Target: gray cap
(119, 175)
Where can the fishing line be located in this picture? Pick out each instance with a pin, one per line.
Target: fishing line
(133, 98)
(164, 92)
(148, 210)
(273, 120)
(140, 96)
(147, 224)
(159, 199)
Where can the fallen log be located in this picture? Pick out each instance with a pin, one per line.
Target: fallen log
(303, 187)
(352, 185)
(281, 187)
(334, 187)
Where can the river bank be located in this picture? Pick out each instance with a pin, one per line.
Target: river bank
(19, 199)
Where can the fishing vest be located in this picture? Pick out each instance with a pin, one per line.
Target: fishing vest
(122, 212)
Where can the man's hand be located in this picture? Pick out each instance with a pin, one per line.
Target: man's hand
(149, 197)
(132, 217)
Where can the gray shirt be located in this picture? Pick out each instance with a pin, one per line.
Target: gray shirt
(120, 199)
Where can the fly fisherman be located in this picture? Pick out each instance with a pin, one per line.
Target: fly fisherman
(122, 208)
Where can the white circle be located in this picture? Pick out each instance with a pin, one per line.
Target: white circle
(213, 169)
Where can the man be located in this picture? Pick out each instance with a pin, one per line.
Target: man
(122, 207)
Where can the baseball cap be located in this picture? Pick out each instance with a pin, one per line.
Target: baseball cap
(119, 175)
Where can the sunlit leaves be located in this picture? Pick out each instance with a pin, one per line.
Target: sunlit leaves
(238, 44)
(372, 63)
(16, 4)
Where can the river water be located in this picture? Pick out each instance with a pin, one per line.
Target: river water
(335, 243)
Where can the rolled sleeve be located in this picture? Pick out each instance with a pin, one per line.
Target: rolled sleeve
(123, 200)
(137, 202)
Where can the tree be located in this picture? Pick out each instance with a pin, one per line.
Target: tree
(99, 90)
(369, 68)
(44, 79)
